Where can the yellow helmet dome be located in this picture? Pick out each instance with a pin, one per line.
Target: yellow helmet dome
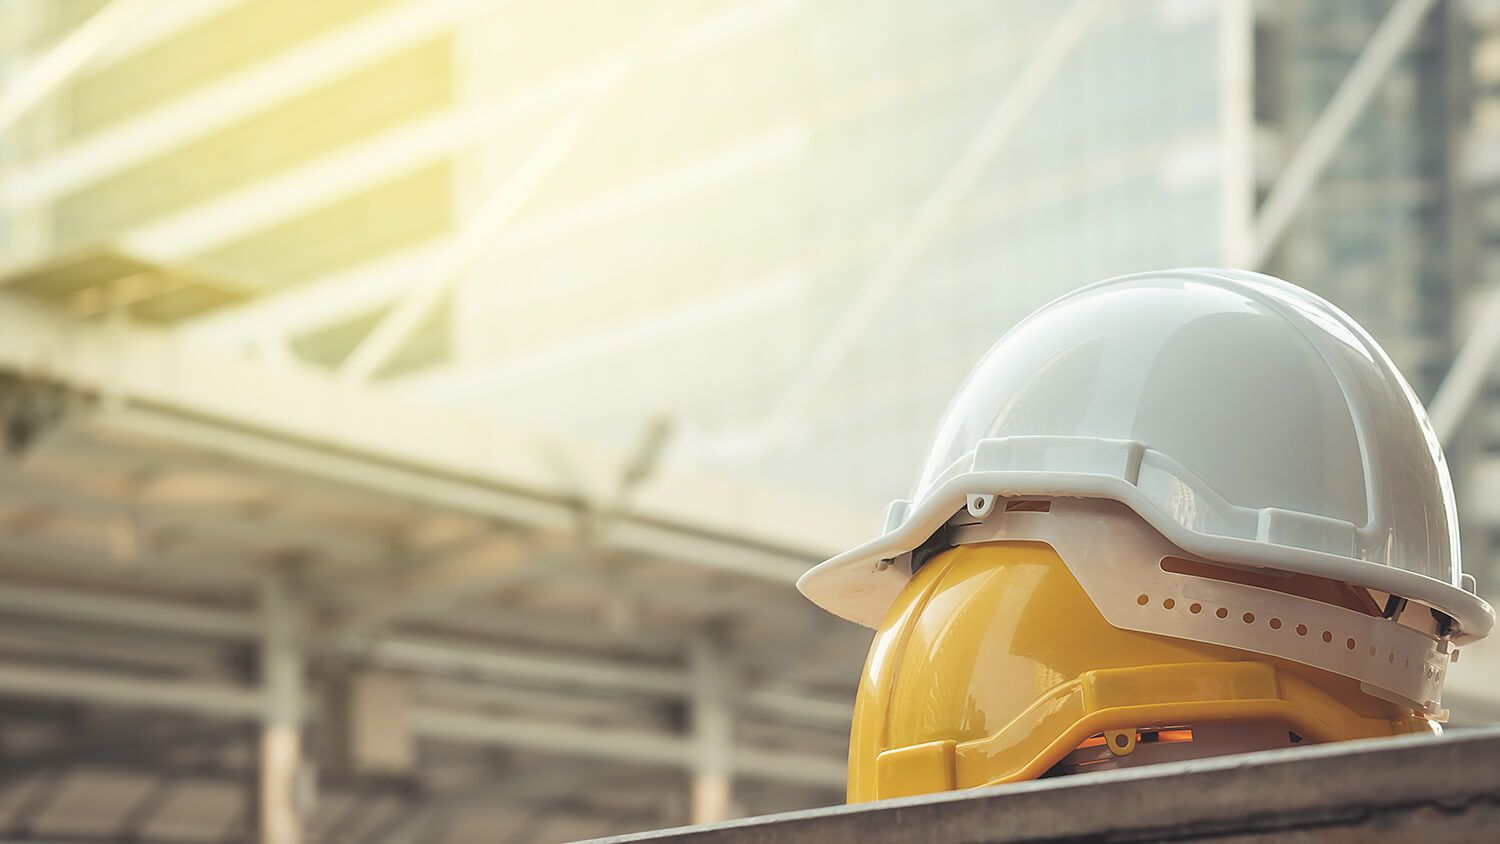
(1169, 515)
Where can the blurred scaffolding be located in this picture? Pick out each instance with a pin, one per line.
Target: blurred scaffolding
(417, 411)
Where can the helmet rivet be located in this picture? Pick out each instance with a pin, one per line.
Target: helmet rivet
(1120, 742)
(979, 505)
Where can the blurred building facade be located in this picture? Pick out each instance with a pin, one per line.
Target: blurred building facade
(765, 238)
(690, 256)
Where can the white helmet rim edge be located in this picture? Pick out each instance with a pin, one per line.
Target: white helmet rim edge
(827, 583)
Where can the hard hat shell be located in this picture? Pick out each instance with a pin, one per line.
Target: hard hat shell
(1244, 418)
(993, 665)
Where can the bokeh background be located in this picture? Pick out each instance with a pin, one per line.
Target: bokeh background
(416, 412)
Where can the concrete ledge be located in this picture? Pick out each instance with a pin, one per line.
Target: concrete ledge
(1412, 788)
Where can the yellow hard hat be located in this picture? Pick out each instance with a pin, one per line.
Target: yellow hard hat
(993, 666)
(1170, 515)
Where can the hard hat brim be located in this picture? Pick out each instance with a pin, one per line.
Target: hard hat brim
(860, 585)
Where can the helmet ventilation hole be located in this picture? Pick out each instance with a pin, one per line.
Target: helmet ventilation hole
(1327, 636)
(1143, 600)
(1275, 624)
(1195, 609)
(1349, 643)
(1221, 612)
(1169, 603)
(1302, 630)
(1248, 618)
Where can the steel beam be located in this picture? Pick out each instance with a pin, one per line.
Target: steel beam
(116, 610)
(513, 666)
(281, 670)
(638, 746)
(531, 625)
(650, 748)
(167, 568)
(713, 732)
(228, 530)
(97, 687)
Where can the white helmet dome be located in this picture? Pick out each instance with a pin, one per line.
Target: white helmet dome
(1245, 419)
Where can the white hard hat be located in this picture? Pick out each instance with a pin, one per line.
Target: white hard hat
(1245, 419)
